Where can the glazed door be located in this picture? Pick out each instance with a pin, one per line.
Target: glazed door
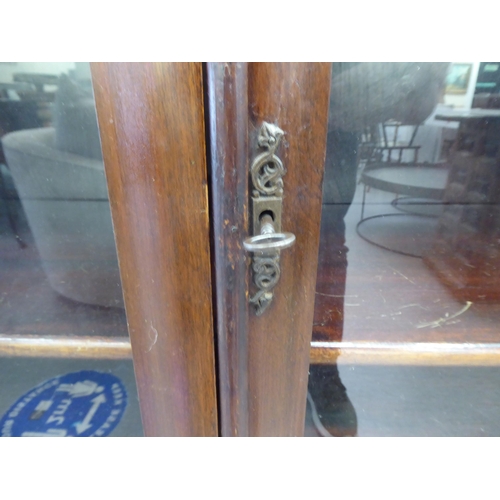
(382, 318)
(405, 341)
(349, 248)
(97, 286)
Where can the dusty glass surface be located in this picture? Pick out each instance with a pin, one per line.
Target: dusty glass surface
(60, 290)
(409, 264)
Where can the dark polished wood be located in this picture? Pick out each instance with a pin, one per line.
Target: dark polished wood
(228, 126)
(465, 255)
(153, 139)
(393, 298)
(294, 97)
(263, 361)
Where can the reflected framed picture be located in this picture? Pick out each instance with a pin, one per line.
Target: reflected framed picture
(457, 79)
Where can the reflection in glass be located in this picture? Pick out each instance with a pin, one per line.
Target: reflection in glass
(59, 276)
(410, 201)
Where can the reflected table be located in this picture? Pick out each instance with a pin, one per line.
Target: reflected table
(415, 185)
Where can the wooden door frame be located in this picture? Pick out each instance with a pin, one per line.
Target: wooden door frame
(159, 204)
(264, 361)
(152, 128)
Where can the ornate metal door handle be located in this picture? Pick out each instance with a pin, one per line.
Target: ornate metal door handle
(267, 173)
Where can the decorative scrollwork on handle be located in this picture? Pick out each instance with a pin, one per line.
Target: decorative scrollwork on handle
(267, 173)
(267, 169)
(261, 300)
(267, 272)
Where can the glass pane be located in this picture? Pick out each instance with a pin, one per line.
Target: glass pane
(407, 298)
(62, 319)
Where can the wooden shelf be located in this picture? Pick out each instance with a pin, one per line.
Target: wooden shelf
(390, 298)
(405, 353)
(65, 347)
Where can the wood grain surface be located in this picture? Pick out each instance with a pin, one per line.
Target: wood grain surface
(405, 353)
(294, 97)
(58, 346)
(153, 139)
(228, 126)
(263, 361)
(391, 298)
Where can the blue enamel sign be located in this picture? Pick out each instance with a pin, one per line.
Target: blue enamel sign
(86, 403)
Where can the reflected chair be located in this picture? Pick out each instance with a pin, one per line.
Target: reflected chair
(66, 202)
(393, 166)
(15, 114)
